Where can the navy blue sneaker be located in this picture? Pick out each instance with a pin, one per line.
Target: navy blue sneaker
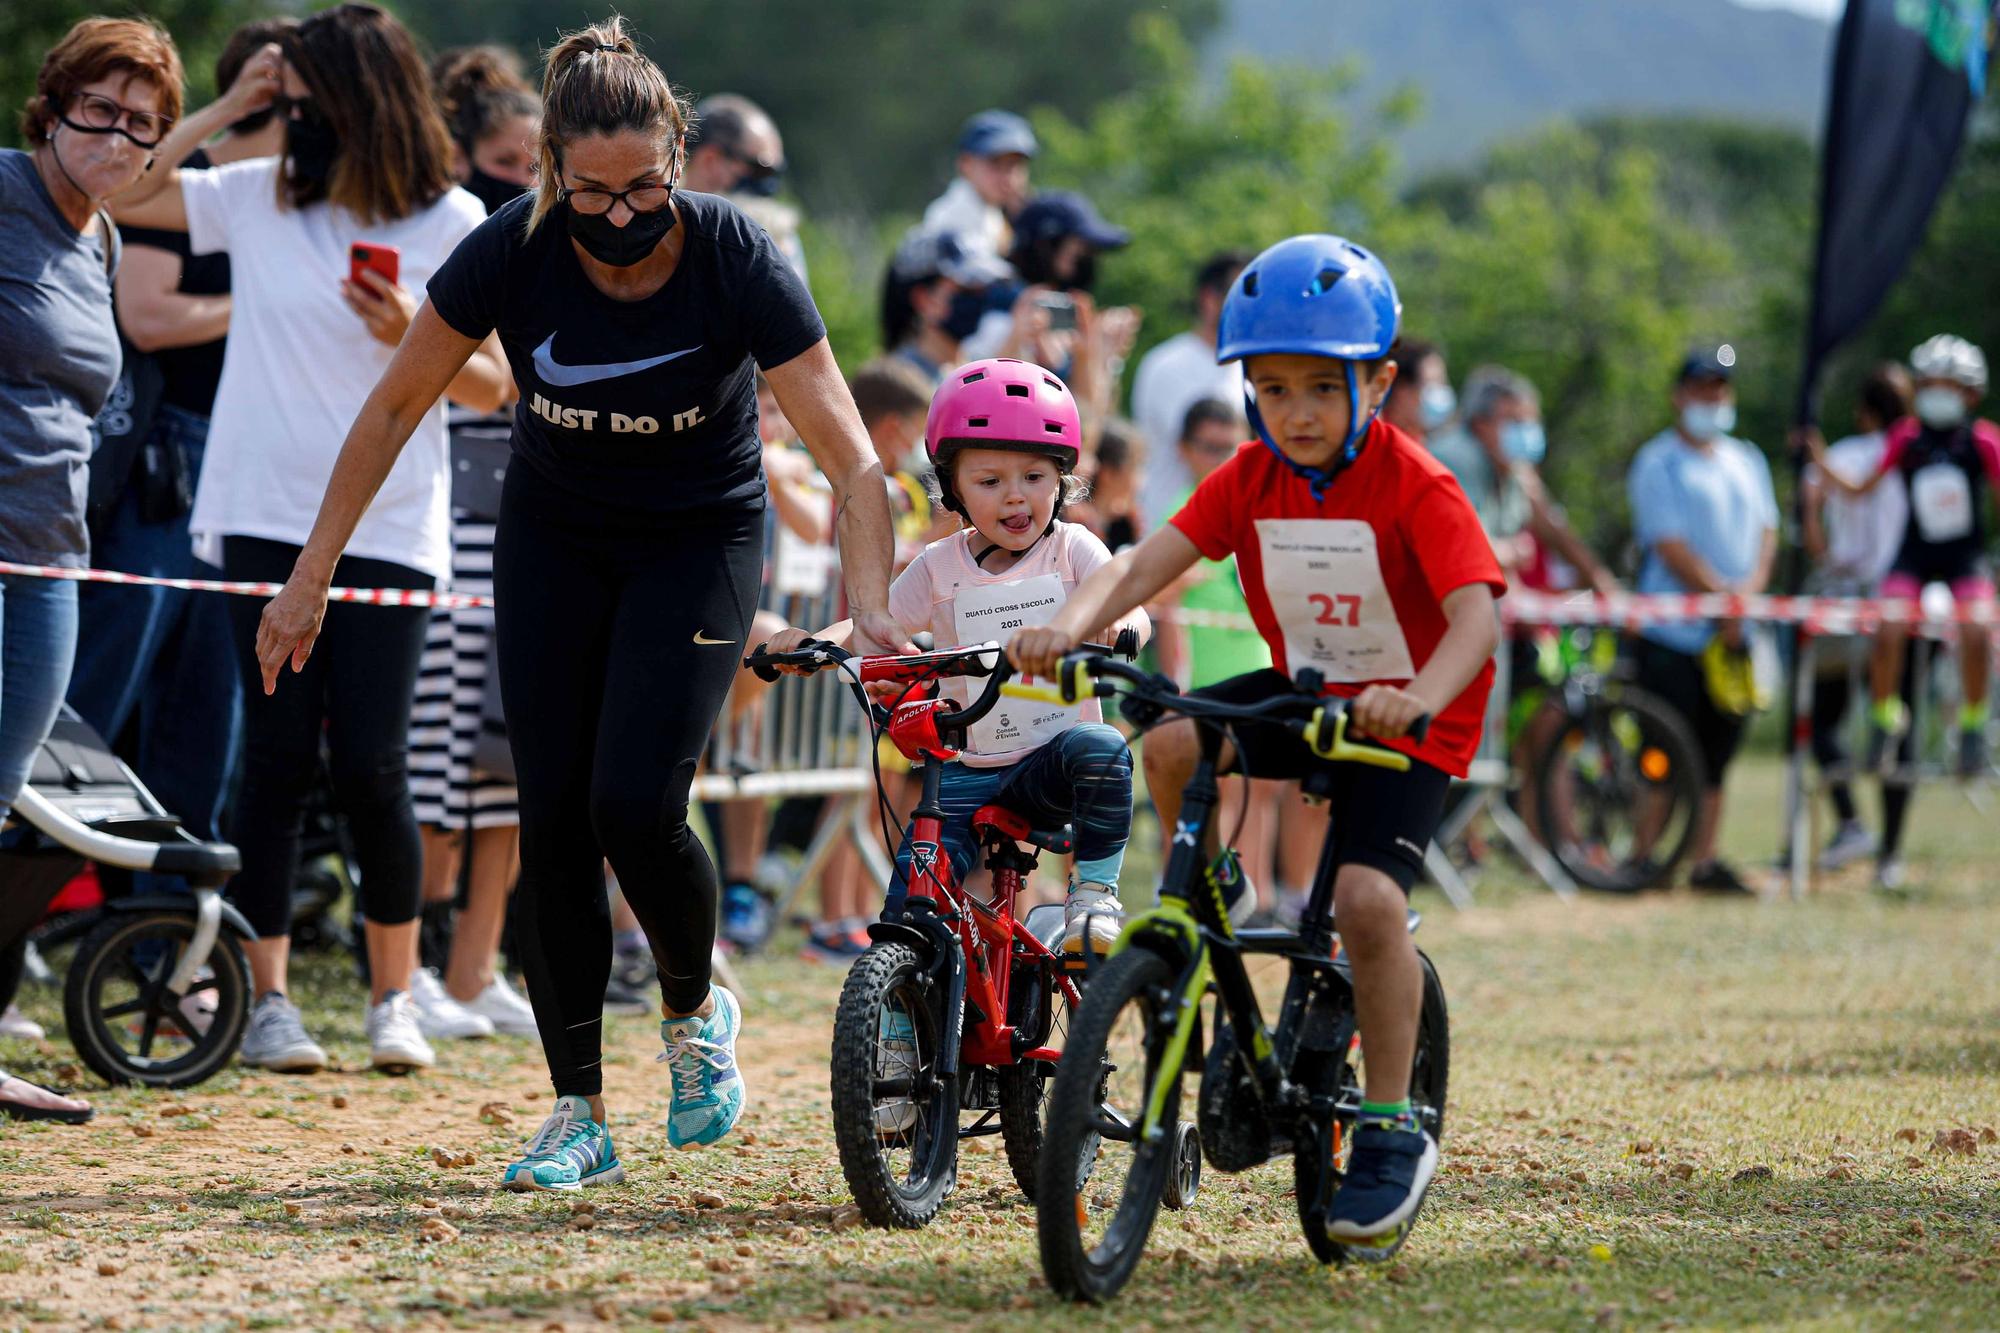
(747, 918)
(1387, 1176)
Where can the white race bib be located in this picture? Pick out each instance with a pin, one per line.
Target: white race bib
(798, 567)
(1325, 584)
(993, 612)
(1941, 499)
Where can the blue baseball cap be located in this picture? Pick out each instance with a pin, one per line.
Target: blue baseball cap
(1054, 214)
(1708, 362)
(995, 134)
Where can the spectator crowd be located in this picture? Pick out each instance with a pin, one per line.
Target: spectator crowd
(195, 307)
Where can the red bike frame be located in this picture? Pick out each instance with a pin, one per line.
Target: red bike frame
(991, 936)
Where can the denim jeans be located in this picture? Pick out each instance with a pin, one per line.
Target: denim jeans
(160, 661)
(37, 641)
(1082, 778)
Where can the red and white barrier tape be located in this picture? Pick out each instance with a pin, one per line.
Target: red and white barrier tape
(1819, 615)
(368, 596)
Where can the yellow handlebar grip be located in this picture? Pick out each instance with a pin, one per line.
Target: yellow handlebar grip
(1047, 694)
(1338, 747)
(1073, 675)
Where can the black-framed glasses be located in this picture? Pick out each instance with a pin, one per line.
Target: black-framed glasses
(97, 114)
(640, 199)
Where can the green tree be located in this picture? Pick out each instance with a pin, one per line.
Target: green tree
(1577, 275)
(1191, 169)
(869, 94)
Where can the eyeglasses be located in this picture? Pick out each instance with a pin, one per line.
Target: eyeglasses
(100, 115)
(759, 169)
(640, 199)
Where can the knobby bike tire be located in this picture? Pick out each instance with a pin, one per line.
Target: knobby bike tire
(1322, 1071)
(1663, 728)
(1135, 976)
(887, 1197)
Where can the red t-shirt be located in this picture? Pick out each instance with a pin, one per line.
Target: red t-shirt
(1354, 584)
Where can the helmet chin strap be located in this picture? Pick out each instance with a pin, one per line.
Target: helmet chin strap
(1318, 479)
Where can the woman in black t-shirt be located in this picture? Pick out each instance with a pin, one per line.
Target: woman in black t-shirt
(627, 561)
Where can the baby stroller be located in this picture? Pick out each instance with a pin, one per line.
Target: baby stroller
(158, 991)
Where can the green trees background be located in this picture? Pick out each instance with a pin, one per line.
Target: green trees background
(1586, 255)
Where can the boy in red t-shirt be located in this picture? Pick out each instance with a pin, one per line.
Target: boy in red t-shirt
(1362, 559)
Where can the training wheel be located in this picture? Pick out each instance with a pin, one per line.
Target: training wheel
(1185, 1181)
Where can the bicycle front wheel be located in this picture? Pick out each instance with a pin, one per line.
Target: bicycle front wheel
(1099, 1178)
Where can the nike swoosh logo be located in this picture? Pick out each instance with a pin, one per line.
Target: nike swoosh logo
(700, 637)
(565, 377)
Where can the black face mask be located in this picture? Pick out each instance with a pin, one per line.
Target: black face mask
(492, 191)
(962, 320)
(1083, 276)
(313, 145)
(621, 247)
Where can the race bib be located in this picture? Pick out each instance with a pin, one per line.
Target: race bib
(993, 612)
(1325, 585)
(798, 567)
(1941, 500)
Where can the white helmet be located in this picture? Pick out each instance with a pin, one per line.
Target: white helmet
(1949, 357)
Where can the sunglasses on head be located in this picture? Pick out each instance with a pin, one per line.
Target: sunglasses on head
(97, 114)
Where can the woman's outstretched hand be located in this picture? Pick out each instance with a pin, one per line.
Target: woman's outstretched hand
(290, 626)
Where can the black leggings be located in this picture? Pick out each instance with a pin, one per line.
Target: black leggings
(617, 642)
(356, 689)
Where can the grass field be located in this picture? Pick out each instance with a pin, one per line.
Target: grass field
(1664, 1112)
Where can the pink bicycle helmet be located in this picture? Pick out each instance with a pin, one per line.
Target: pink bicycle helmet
(1001, 403)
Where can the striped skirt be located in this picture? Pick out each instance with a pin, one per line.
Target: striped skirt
(444, 725)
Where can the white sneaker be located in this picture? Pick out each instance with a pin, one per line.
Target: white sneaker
(396, 1042)
(1093, 910)
(505, 1008)
(277, 1039)
(439, 1017)
(14, 1023)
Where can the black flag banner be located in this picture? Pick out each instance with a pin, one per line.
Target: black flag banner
(1906, 74)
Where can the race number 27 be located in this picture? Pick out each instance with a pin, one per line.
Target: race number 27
(1339, 609)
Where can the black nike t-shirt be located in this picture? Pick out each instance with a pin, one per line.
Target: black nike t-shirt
(645, 404)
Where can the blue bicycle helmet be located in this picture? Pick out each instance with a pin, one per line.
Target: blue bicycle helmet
(1314, 296)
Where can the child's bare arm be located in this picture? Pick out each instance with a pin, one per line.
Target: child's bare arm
(1133, 578)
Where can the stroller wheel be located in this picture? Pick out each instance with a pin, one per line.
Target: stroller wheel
(126, 1023)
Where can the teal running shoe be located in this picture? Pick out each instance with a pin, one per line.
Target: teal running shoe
(700, 1058)
(568, 1152)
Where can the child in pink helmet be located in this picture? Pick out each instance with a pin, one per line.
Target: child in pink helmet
(1004, 437)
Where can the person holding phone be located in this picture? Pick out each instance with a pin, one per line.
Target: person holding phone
(626, 566)
(367, 160)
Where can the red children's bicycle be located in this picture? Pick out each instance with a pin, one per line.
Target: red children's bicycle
(958, 1005)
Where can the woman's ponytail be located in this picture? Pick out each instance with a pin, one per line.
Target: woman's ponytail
(597, 81)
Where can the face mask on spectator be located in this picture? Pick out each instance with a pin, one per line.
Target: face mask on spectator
(313, 144)
(1083, 275)
(1706, 421)
(1524, 441)
(492, 191)
(1940, 408)
(962, 320)
(1436, 404)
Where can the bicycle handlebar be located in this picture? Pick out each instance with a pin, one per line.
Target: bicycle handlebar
(1083, 675)
(984, 659)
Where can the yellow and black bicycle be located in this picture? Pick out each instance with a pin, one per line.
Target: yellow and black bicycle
(1111, 1152)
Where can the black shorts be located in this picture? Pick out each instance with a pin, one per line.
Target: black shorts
(1677, 678)
(1380, 818)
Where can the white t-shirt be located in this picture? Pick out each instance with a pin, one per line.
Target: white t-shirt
(300, 363)
(927, 596)
(1173, 377)
(977, 224)
(1863, 533)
